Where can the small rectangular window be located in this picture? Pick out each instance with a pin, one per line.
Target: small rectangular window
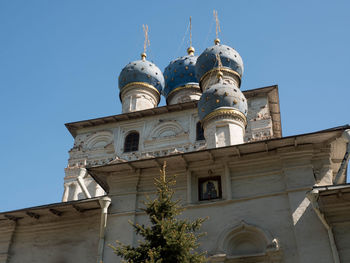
(131, 143)
(199, 132)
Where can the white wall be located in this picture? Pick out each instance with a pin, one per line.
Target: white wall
(66, 239)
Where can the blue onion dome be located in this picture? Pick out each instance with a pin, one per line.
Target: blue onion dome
(141, 72)
(180, 73)
(223, 96)
(230, 59)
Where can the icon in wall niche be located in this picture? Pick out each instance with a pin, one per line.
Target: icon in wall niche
(209, 188)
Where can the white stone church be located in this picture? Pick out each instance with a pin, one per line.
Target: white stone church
(269, 198)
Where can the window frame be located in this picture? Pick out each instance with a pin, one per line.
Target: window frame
(132, 143)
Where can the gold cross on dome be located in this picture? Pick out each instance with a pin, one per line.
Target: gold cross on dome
(219, 74)
(190, 50)
(219, 61)
(146, 42)
(190, 31)
(218, 29)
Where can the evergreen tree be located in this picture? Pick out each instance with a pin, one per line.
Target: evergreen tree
(167, 239)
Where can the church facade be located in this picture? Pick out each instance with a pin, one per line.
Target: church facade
(268, 198)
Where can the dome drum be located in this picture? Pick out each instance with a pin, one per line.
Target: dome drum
(184, 93)
(223, 130)
(137, 97)
(139, 85)
(225, 113)
(229, 76)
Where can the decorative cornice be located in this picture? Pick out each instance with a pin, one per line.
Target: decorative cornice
(142, 84)
(216, 70)
(226, 112)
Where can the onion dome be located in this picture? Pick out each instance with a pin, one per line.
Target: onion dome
(141, 73)
(224, 98)
(180, 73)
(230, 58)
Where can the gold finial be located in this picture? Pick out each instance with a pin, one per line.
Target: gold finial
(217, 40)
(190, 50)
(220, 74)
(146, 42)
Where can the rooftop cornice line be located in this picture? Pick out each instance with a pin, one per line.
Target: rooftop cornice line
(323, 136)
(74, 126)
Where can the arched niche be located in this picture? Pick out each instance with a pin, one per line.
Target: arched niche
(246, 242)
(99, 140)
(165, 133)
(166, 129)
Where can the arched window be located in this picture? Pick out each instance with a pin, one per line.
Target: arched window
(199, 132)
(131, 142)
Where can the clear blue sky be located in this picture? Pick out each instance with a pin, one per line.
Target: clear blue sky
(59, 62)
